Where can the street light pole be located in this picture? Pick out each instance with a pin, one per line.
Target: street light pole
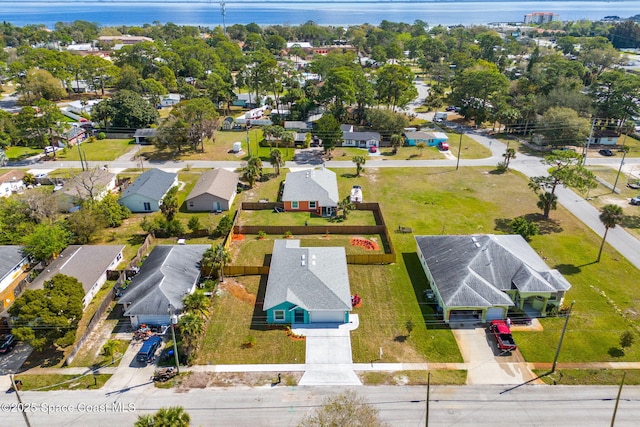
(459, 149)
(564, 329)
(174, 320)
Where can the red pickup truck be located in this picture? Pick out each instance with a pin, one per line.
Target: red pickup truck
(502, 332)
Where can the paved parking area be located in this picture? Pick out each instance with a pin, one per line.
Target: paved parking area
(11, 362)
(486, 363)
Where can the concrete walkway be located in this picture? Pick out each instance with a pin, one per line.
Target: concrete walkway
(328, 353)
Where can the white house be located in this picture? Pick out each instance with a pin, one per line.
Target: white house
(11, 182)
(170, 100)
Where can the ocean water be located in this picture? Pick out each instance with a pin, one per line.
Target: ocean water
(208, 13)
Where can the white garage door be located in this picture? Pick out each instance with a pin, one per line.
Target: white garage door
(326, 317)
(495, 313)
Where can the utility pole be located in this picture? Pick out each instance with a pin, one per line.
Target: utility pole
(586, 153)
(564, 329)
(615, 409)
(174, 320)
(426, 415)
(625, 150)
(459, 149)
(223, 9)
(20, 404)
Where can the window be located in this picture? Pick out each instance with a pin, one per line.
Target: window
(294, 205)
(147, 206)
(278, 315)
(190, 204)
(312, 205)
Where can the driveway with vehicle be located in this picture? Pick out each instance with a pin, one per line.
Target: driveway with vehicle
(487, 364)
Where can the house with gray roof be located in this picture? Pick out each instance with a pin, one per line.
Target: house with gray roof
(311, 190)
(214, 191)
(482, 276)
(12, 264)
(307, 284)
(361, 139)
(87, 263)
(168, 274)
(146, 192)
(92, 184)
(145, 136)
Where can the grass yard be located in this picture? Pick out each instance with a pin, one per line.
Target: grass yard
(590, 376)
(92, 356)
(233, 321)
(50, 382)
(106, 149)
(270, 217)
(16, 153)
(438, 377)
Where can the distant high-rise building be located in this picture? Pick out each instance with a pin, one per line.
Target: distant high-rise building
(540, 17)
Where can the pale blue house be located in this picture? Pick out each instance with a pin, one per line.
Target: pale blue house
(146, 192)
(430, 138)
(307, 285)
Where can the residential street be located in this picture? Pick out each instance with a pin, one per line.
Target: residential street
(286, 406)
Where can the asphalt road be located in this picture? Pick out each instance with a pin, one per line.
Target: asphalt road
(286, 406)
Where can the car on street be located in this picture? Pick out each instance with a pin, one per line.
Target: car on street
(7, 342)
(502, 333)
(635, 201)
(607, 153)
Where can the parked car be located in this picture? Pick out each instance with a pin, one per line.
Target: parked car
(7, 342)
(635, 185)
(607, 153)
(443, 146)
(635, 201)
(373, 149)
(148, 350)
(502, 334)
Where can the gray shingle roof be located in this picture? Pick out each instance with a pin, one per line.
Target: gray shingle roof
(361, 136)
(312, 185)
(10, 256)
(313, 278)
(146, 133)
(152, 184)
(166, 276)
(87, 263)
(218, 182)
(476, 270)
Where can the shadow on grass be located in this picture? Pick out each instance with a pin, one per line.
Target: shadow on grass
(419, 283)
(545, 225)
(349, 175)
(259, 317)
(47, 358)
(136, 239)
(400, 338)
(160, 156)
(631, 221)
(568, 269)
(615, 352)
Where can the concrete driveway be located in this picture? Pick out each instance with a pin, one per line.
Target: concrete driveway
(486, 363)
(328, 359)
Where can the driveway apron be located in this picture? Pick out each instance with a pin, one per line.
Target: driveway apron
(485, 363)
(328, 354)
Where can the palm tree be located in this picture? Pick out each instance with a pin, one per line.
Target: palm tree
(197, 303)
(421, 146)
(359, 161)
(174, 416)
(509, 154)
(217, 257)
(610, 216)
(191, 326)
(253, 170)
(396, 142)
(276, 160)
(288, 139)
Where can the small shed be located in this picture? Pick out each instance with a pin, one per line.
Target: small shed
(227, 123)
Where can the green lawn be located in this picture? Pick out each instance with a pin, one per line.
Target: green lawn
(590, 376)
(21, 153)
(106, 149)
(414, 377)
(271, 217)
(49, 382)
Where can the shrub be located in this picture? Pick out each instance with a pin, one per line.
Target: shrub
(262, 234)
(524, 228)
(102, 136)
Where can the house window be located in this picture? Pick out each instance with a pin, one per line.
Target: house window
(278, 315)
(190, 204)
(294, 205)
(312, 205)
(147, 206)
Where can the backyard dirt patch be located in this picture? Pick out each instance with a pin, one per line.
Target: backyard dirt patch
(231, 379)
(613, 201)
(238, 291)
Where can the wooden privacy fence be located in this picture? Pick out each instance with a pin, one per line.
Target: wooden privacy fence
(142, 251)
(380, 228)
(238, 270)
(104, 305)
